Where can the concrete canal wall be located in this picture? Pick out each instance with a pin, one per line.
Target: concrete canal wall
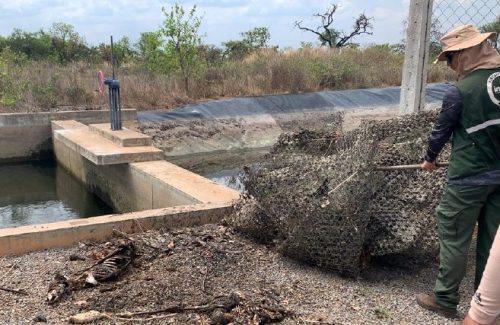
(121, 167)
(27, 136)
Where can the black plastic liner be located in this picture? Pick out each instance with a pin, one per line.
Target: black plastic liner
(288, 103)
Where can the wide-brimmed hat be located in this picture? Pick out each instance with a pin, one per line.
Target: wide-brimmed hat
(460, 38)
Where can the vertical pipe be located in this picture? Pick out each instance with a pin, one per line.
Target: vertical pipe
(114, 97)
(110, 99)
(119, 111)
(115, 102)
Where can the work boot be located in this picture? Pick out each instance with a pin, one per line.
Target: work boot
(429, 302)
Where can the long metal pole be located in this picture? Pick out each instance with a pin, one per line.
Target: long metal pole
(114, 96)
(112, 58)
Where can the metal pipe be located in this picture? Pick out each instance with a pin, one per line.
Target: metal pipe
(115, 116)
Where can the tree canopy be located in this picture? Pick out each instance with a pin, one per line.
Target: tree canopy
(254, 39)
(180, 31)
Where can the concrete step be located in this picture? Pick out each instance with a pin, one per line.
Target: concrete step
(123, 137)
(67, 124)
(102, 151)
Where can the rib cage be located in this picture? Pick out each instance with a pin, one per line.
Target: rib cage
(113, 265)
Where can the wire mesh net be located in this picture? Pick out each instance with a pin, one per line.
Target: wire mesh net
(330, 207)
(448, 14)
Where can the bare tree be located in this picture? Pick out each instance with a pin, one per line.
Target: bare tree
(332, 37)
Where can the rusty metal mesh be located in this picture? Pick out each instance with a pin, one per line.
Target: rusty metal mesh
(333, 209)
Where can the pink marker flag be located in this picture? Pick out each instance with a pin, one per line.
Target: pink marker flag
(100, 82)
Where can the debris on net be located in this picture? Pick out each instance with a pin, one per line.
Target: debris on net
(331, 208)
(256, 224)
(313, 140)
(307, 141)
(402, 229)
(316, 220)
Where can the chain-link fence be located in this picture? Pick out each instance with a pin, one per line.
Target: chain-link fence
(447, 14)
(426, 28)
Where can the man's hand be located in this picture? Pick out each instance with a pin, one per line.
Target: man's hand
(428, 165)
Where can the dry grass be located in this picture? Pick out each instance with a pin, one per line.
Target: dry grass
(42, 86)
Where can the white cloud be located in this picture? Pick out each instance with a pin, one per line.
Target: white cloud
(387, 14)
(17, 5)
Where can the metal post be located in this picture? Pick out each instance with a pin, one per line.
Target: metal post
(114, 97)
(114, 104)
(414, 77)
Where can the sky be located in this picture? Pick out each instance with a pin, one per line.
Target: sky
(222, 20)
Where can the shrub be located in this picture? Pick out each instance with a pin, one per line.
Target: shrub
(11, 88)
(45, 95)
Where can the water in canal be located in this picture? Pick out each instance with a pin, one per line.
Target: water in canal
(42, 192)
(223, 167)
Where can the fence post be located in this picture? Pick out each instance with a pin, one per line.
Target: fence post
(416, 57)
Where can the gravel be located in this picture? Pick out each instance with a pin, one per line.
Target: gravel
(194, 266)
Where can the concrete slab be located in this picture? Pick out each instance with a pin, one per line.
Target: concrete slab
(68, 124)
(174, 177)
(20, 240)
(139, 185)
(102, 151)
(123, 138)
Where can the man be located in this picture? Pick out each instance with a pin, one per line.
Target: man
(471, 113)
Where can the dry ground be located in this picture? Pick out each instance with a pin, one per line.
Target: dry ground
(179, 271)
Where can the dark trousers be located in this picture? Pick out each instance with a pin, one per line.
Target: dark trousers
(461, 207)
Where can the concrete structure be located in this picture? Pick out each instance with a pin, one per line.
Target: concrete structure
(416, 57)
(129, 178)
(103, 150)
(25, 239)
(123, 138)
(128, 173)
(27, 136)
